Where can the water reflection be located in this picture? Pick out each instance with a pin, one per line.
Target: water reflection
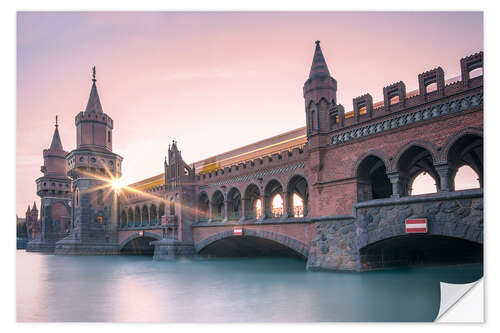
(137, 289)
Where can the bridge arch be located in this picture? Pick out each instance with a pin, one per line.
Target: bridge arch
(420, 249)
(284, 242)
(137, 244)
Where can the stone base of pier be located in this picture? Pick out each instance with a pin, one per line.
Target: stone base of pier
(169, 249)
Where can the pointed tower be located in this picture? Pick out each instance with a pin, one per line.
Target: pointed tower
(320, 94)
(93, 166)
(179, 215)
(54, 189)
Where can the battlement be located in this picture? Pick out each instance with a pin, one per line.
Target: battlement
(270, 160)
(432, 86)
(94, 116)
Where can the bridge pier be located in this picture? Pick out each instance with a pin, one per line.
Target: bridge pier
(375, 236)
(169, 249)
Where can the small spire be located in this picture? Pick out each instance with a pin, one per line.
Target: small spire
(56, 139)
(94, 103)
(34, 206)
(319, 67)
(29, 209)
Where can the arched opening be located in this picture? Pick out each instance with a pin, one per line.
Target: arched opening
(372, 182)
(423, 183)
(130, 219)
(139, 246)
(137, 217)
(467, 150)
(431, 87)
(145, 215)
(273, 199)
(466, 179)
(298, 197)
(253, 204)
(234, 204)
(217, 206)
(248, 246)
(153, 216)
(123, 219)
(203, 207)
(161, 211)
(412, 250)
(411, 164)
(476, 72)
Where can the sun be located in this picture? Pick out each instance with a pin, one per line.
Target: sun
(117, 183)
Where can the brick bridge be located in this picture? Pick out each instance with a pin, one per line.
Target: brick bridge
(352, 172)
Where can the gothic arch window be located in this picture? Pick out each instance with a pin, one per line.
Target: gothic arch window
(153, 216)
(137, 216)
(273, 199)
(203, 207)
(145, 215)
(466, 179)
(422, 183)
(130, 219)
(123, 218)
(372, 180)
(234, 204)
(253, 203)
(217, 206)
(298, 196)
(466, 151)
(414, 165)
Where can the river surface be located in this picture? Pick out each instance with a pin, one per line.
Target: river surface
(137, 289)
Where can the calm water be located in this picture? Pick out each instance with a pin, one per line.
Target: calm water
(137, 289)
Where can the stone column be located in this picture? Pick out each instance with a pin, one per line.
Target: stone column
(225, 219)
(444, 171)
(398, 182)
(210, 216)
(243, 209)
(288, 204)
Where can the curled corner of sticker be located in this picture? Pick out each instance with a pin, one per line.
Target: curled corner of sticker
(451, 294)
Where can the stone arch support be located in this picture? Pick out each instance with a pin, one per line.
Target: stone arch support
(136, 235)
(282, 239)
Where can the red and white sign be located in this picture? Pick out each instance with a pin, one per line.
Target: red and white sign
(141, 233)
(416, 226)
(238, 231)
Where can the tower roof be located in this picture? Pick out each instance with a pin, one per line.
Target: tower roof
(34, 206)
(94, 104)
(29, 209)
(56, 140)
(318, 67)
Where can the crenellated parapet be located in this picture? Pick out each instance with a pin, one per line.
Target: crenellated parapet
(274, 160)
(394, 96)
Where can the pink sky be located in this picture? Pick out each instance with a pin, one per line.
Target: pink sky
(211, 81)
